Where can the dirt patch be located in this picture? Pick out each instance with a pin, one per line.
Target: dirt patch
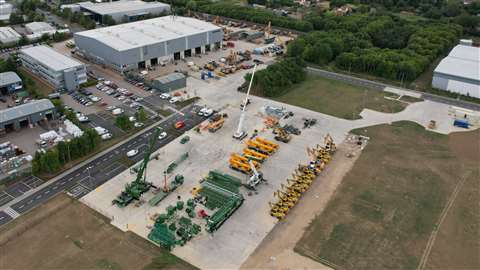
(65, 234)
(277, 248)
(389, 203)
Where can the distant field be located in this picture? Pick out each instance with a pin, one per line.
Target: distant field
(65, 234)
(387, 206)
(338, 99)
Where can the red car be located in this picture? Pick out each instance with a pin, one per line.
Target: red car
(179, 124)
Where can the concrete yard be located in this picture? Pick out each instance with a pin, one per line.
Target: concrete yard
(231, 245)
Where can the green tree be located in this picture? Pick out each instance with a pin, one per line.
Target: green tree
(16, 18)
(141, 115)
(123, 122)
(108, 20)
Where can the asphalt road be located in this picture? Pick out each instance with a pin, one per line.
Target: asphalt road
(381, 86)
(96, 172)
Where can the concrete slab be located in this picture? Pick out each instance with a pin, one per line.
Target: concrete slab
(238, 237)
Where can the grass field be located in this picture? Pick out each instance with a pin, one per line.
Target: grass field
(382, 215)
(338, 98)
(65, 234)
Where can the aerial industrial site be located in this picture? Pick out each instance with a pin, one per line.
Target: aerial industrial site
(239, 135)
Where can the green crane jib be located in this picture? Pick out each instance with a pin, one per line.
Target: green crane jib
(134, 190)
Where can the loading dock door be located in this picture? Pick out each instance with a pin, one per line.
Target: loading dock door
(141, 65)
(9, 128)
(207, 48)
(24, 123)
(154, 61)
(188, 53)
(198, 50)
(176, 56)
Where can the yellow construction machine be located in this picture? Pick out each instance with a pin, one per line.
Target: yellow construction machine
(266, 142)
(260, 147)
(252, 154)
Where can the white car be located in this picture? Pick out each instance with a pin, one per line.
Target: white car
(121, 98)
(132, 119)
(95, 98)
(134, 104)
(117, 111)
(111, 108)
(99, 86)
(106, 136)
(174, 100)
(165, 96)
(138, 124)
(132, 153)
(110, 92)
(162, 135)
(205, 112)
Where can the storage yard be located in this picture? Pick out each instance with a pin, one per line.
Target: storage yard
(212, 151)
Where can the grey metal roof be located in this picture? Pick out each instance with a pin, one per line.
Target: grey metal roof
(8, 35)
(463, 61)
(122, 6)
(153, 31)
(39, 27)
(50, 58)
(9, 77)
(20, 111)
(170, 77)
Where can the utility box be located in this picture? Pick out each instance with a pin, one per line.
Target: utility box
(170, 82)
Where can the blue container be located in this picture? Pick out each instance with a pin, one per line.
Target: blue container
(461, 123)
(210, 75)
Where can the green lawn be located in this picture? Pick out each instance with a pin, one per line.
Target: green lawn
(337, 98)
(383, 213)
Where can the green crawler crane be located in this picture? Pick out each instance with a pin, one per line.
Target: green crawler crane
(135, 189)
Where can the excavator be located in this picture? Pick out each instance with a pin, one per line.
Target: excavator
(135, 189)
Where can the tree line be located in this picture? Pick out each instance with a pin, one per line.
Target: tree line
(276, 79)
(384, 46)
(52, 160)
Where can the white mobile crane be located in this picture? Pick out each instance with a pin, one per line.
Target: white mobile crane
(256, 177)
(240, 134)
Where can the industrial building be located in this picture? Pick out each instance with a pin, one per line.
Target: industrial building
(59, 70)
(170, 82)
(140, 44)
(8, 35)
(10, 82)
(5, 10)
(37, 29)
(459, 72)
(120, 11)
(26, 115)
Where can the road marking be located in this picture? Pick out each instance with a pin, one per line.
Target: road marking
(11, 212)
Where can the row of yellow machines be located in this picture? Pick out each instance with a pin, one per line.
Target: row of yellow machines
(289, 194)
(256, 152)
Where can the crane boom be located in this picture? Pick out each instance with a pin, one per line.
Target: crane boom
(240, 134)
(142, 172)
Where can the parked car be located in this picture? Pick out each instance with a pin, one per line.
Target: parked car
(138, 124)
(106, 136)
(110, 108)
(179, 124)
(117, 111)
(174, 100)
(121, 98)
(165, 96)
(132, 119)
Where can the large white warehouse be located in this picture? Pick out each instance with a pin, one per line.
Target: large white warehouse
(459, 72)
(146, 43)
